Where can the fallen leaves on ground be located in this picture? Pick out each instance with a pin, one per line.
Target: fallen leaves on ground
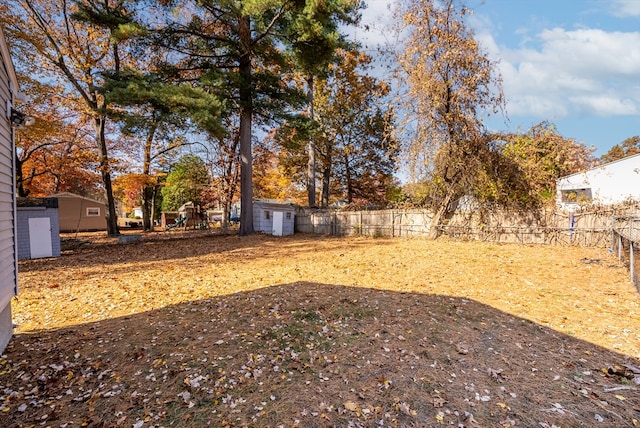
(313, 331)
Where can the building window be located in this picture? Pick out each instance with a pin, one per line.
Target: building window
(267, 215)
(576, 195)
(93, 212)
(288, 216)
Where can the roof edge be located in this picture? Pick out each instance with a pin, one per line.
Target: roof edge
(4, 48)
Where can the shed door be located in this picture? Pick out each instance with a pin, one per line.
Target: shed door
(278, 222)
(40, 237)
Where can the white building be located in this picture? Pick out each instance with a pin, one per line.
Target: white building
(273, 217)
(608, 184)
(8, 242)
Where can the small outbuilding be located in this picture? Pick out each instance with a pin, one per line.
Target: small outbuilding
(38, 234)
(79, 214)
(608, 184)
(273, 218)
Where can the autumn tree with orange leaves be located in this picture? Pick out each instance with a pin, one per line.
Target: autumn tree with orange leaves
(271, 179)
(629, 147)
(53, 154)
(356, 143)
(52, 41)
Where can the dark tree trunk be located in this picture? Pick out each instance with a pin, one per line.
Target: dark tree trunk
(311, 148)
(105, 171)
(347, 172)
(326, 179)
(441, 212)
(246, 115)
(148, 198)
(148, 192)
(22, 192)
(156, 189)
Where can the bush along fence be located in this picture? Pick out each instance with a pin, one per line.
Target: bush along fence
(626, 244)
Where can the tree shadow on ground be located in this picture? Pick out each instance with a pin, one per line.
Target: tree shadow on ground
(315, 355)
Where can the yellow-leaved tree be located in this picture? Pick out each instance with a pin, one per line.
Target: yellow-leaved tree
(449, 84)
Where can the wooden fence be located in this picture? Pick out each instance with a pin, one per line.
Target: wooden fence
(626, 244)
(584, 229)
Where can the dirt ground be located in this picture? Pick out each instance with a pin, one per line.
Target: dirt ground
(198, 330)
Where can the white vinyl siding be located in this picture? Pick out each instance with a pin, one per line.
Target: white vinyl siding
(8, 256)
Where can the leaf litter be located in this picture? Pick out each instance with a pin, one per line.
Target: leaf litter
(205, 330)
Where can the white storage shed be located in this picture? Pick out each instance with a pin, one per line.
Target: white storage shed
(273, 218)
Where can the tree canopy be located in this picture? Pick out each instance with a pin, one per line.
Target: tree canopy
(630, 146)
(450, 84)
(356, 144)
(525, 167)
(121, 88)
(56, 40)
(186, 181)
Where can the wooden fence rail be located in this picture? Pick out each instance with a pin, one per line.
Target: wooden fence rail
(626, 244)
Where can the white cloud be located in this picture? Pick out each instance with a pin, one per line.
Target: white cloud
(586, 71)
(377, 18)
(625, 8)
(554, 73)
(605, 105)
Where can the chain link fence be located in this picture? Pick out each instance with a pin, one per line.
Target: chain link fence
(626, 244)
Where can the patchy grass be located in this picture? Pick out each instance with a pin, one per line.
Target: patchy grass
(202, 330)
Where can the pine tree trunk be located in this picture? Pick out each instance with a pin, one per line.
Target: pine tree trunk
(105, 171)
(326, 178)
(147, 207)
(246, 113)
(148, 192)
(311, 148)
(156, 189)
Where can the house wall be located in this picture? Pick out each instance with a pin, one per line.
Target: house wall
(8, 259)
(608, 184)
(72, 212)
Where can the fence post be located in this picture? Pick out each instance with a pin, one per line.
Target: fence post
(334, 230)
(631, 249)
(613, 232)
(619, 247)
(631, 269)
(393, 224)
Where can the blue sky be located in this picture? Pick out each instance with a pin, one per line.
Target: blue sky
(575, 63)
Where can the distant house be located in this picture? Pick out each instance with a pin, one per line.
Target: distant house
(273, 218)
(607, 184)
(79, 214)
(8, 242)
